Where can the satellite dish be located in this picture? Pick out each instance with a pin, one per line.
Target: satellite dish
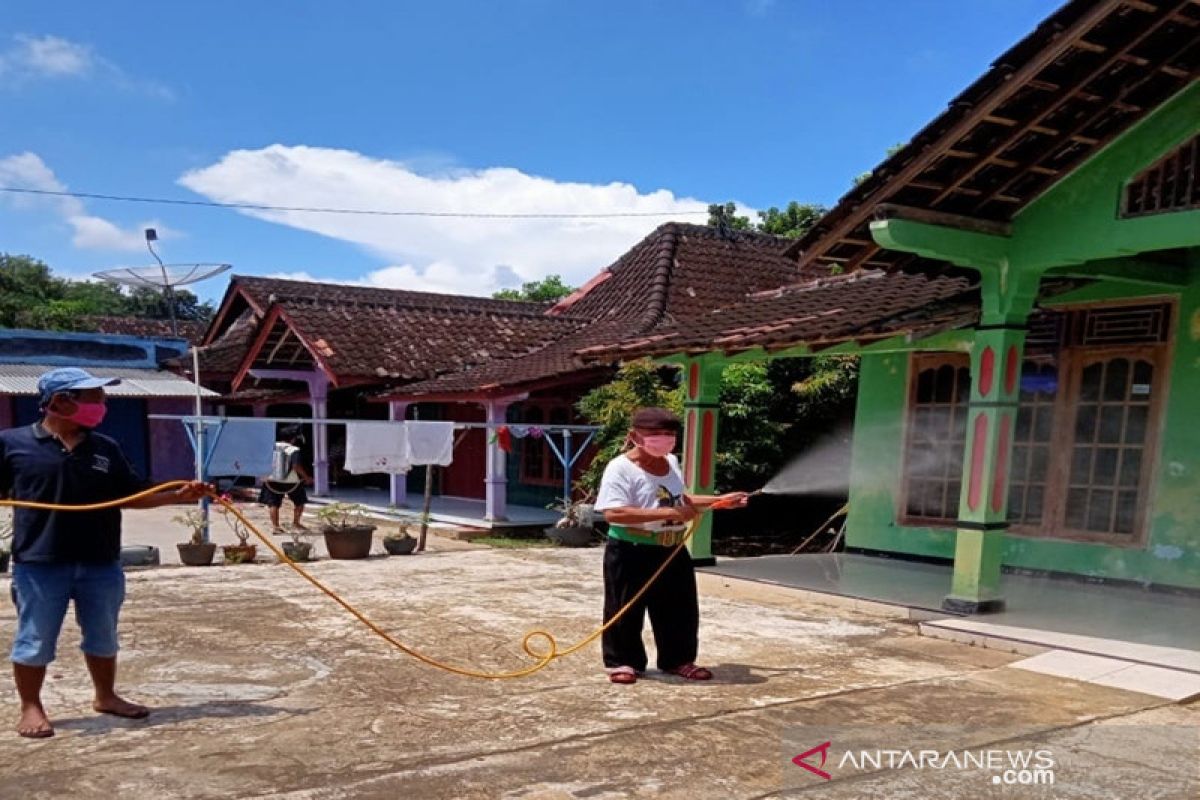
(164, 277)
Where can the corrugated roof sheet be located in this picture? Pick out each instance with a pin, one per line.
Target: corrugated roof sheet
(23, 378)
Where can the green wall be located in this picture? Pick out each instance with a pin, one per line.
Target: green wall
(1171, 554)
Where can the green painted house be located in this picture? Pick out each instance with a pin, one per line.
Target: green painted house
(1022, 283)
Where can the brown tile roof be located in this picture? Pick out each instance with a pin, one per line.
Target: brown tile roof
(291, 293)
(412, 342)
(676, 272)
(222, 358)
(138, 326)
(864, 305)
(1082, 77)
(680, 269)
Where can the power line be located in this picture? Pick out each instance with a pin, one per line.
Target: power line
(354, 211)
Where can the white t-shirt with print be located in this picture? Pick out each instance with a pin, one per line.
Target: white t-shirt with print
(626, 485)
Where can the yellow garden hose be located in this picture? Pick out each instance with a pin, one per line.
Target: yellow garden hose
(551, 653)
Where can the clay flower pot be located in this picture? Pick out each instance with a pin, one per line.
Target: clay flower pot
(399, 545)
(298, 551)
(197, 555)
(351, 541)
(239, 553)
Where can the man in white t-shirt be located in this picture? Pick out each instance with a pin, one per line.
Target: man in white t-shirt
(643, 498)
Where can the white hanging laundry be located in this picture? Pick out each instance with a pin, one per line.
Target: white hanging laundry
(244, 447)
(430, 442)
(376, 447)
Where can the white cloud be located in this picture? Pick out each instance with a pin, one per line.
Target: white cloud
(89, 232)
(51, 56)
(473, 256)
(46, 57)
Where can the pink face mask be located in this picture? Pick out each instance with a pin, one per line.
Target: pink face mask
(658, 446)
(88, 415)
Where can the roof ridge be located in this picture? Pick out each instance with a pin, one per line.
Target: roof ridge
(397, 297)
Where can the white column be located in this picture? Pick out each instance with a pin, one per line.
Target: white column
(399, 483)
(318, 393)
(495, 479)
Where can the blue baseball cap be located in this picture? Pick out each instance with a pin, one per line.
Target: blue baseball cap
(69, 379)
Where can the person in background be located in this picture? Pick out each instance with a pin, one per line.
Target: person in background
(642, 497)
(64, 556)
(287, 479)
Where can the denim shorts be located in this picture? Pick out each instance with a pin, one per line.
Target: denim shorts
(41, 593)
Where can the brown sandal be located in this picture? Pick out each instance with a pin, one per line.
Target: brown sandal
(622, 675)
(690, 672)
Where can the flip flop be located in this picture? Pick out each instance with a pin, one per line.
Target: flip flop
(141, 713)
(622, 675)
(690, 672)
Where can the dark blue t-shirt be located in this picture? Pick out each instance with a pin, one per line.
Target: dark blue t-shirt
(34, 465)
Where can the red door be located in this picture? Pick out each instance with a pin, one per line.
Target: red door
(464, 477)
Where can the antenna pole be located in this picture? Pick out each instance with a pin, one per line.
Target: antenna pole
(168, 290)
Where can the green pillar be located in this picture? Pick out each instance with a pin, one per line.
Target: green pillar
(701, 414)
(983, 505)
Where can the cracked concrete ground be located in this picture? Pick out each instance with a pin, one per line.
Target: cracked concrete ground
(263, 688)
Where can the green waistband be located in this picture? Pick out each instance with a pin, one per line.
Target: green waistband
(626, 534)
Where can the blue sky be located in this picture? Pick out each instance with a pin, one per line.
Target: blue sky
(525, 106)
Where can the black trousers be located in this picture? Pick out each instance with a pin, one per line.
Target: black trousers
(671, 602)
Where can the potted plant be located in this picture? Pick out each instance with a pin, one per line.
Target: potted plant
(347, 533)
(6, 532)
(196, 552)
(243, 552)
(575, 527)
(298, 549)
(400, 542)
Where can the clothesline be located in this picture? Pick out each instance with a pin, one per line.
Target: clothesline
(218, 420)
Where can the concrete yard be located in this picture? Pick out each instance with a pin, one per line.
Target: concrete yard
(261, 687)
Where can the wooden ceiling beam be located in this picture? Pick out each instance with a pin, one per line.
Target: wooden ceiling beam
(1073, 133)
(1080, 83)
(1015, 81)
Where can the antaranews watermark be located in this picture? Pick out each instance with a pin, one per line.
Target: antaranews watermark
(945, 761)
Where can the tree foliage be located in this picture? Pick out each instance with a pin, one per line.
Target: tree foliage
(549, 290)
(636, 385)
(769, 412)
(792, 222)
(31, 296)
(725, 215)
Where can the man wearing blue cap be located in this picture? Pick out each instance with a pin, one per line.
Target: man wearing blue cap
(60, 556)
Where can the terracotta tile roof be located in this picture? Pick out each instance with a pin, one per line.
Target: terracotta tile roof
(413, 342)
(138, 326)
(676, 272)
(680, 269)
(291, 293)
(222, 358)
(864, 305)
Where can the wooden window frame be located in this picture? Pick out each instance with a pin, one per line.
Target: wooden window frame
(1054, 520)
(1071, 361)
(916, 363)
(551, 473)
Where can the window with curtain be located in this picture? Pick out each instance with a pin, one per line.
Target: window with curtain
(1084, 434)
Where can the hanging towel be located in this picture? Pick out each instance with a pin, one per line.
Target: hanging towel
(244, 447)
(430, 442)
(376, 447)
